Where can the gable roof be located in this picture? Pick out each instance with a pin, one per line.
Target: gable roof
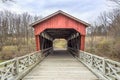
(60, 12)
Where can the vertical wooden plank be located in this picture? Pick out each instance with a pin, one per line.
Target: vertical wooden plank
(37, 42)
(82, 42)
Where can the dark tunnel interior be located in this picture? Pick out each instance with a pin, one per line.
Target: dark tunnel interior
(70, 35)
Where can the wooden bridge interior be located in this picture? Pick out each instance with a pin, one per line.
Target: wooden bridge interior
(71, 35)
(60, 65)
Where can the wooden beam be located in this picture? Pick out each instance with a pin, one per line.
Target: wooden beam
(73, 36)
(45, 35)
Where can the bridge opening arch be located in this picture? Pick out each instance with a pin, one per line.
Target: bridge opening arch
(60, 25)
(59, 43)
(47, 37)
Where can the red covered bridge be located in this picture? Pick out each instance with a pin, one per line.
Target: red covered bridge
(60, 25)
(49, 64)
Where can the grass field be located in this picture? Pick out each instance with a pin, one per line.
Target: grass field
(59, 43)
(105, 47)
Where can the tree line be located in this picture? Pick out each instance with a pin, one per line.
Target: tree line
(15, 29)
(105, 33)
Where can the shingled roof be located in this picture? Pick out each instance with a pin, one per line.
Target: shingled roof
(60, 12)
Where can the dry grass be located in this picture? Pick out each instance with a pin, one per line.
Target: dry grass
(105, 47)
(11, 51)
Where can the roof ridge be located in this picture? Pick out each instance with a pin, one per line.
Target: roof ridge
(57, 12)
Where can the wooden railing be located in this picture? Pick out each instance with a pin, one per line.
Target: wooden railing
(13, 69)
(105, 69)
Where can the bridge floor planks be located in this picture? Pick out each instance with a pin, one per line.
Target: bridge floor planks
(60, 65)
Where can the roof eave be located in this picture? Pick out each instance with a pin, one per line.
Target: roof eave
(66, 14)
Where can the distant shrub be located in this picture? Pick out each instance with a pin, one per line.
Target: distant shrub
(116, 48)
(91, 50)
(9, 52)
(9, 48)
(104, 48)
(6, 55)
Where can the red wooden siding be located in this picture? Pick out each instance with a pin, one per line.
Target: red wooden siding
(37, 42)
(60, 21)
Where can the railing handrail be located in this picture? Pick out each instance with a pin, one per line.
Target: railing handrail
(17, 57)
(46, 49)
(116, 62)
(14, 67)
(104, 68)
(2, 63)
(28, 54)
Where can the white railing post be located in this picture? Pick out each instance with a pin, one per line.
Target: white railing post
(79, 55)
(104, 67)
(2, 76)
(17, 65)
(91, 61)
(39, 56)
(29, 59)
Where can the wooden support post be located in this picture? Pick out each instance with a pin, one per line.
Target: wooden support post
(82, 42)
(37, 42)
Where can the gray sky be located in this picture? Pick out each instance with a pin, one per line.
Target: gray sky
(86, 10)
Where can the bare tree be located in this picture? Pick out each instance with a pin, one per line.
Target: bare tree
(15, 29)
(116, 2)
(4, 1)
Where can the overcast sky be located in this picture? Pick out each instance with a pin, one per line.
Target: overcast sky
(86, 10)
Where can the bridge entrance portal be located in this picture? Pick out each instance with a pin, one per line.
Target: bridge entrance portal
(72, 37)
(60, 25)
